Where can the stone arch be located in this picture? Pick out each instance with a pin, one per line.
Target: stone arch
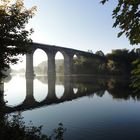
(76, 58)
(59, 91)
(19, 84)
(40, 89)
(40, 62)
(75, 90)
(68, 62)
(30, 62)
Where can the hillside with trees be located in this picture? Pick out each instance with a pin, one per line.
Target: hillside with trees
(118, 62)
(42, 68)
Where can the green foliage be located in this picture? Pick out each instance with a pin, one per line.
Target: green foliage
(120, 61)
(15, 129)
(111, 65)
(14, 38)
(127, 18)
(135, 78)
(89, 65)
(59, 132)
(100, 53)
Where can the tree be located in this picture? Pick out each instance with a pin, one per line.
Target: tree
(100, 53)
(14, 38)
(127, 18)
(121, 60)
(135, 78)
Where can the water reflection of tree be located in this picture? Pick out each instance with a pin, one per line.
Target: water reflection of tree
(13, 127)
(118, 87)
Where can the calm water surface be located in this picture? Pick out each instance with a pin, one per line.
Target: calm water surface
(90, 108)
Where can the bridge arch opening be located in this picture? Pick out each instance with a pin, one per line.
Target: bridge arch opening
(75, 64)
(59, 91)
(14, 98)
(75, 56)
(40, 62)
(75, 90)
(59, 63)
(40, 88)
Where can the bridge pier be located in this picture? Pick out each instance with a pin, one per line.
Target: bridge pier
(51, 89)
(29, 65)
(51, 63)
(68, 92)
(2, 102)
(68, 63)
(29, 100)
(1, 88)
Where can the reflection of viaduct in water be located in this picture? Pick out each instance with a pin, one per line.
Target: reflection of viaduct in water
(69, 94)
(51, 52)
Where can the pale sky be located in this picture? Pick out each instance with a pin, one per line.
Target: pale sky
(79, 24)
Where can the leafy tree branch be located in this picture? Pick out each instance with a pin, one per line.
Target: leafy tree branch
(127, 18)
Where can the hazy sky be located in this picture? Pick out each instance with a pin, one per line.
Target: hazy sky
(79, 24)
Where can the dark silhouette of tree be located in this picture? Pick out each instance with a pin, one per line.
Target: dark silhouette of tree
(12, 126)
(100, 53)
(120, 61)
(14, 38)
(127, 18)
(135, 78)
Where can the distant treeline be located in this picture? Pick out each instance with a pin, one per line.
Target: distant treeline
(118, 62)
(42, 68)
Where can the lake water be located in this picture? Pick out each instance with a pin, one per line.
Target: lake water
(90, 108)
